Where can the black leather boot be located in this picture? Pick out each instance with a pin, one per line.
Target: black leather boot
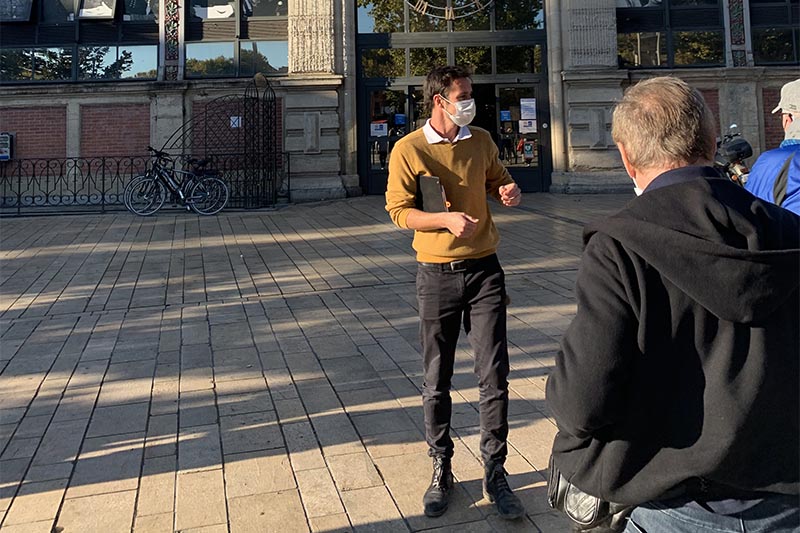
(497, 491)
(438, 494)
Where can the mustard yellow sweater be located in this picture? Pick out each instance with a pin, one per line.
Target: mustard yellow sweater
(468, 170)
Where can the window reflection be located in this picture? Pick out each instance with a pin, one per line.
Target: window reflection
(773, 45)
(693, 3)
(418, 22)
(383, 63)
(56, 11)
(144, 62)
(52, 64)
(638, 3)
(423, 60)
(264, 8)
(212, 9)
(97, 9)
(698, 48)
(472, 22)
(519, 59)
(140, 10)
(380, 16)
(15, 64)
(477, 57)
(207, 60)
(519, 14)
(642, 49)
(15, 10)
(267, 57)
(117, 62)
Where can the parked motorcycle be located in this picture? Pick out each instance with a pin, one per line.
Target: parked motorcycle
(732, 150)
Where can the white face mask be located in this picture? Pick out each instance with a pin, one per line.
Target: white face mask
(465, 111)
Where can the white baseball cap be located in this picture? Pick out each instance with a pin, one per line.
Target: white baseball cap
(790, 98)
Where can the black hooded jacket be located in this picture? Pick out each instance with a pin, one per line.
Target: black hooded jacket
(682, 360)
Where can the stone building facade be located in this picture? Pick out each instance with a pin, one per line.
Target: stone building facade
(324, 93)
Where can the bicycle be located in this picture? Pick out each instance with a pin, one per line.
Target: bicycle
(198, 189)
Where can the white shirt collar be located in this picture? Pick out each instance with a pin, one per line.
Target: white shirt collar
(433, 138)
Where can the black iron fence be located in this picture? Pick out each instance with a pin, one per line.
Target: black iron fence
(95, 184)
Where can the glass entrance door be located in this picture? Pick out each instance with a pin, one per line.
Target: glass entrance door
(522, 141)
(387, 121)
(512, 114)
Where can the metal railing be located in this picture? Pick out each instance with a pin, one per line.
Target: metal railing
(95, 184)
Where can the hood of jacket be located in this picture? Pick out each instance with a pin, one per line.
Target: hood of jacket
(735, 255)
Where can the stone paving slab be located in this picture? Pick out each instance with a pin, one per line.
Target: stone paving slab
(258, 371)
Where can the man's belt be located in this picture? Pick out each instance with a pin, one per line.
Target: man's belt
(460, 265)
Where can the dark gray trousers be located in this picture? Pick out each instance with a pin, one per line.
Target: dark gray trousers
(477, 296)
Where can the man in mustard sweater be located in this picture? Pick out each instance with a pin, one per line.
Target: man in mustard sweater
(458, 276)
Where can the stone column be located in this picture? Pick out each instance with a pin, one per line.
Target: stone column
(311, 36)
(591, 30)
(590, 83)
(312, 104)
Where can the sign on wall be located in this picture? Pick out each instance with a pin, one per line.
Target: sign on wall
(6, 146)
(527, 108)
(379, 129)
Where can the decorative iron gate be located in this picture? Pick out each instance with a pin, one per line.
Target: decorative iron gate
(238, 134)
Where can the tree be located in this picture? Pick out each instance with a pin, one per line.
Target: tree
(698, 48)
(15, 64)
(218, 66)
(92, 63)
(388, 17)
(52, 64)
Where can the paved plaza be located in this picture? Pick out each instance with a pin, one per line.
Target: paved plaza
(258, 371)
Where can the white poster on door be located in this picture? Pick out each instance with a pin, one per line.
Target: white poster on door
(527, 108)
(379, 129)
(527, 126)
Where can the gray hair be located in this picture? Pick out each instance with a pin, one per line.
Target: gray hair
(663, 122)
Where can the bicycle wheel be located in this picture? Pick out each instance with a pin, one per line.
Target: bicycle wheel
(144, 195)
(208, 196)
(126, 192)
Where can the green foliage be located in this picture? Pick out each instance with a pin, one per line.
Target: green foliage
(698, 48)
(774, 45)
(92, 63)
(384, 63)
(205, 68)
(387, 14)
(15, 64)
(52, 64)
(519, 14)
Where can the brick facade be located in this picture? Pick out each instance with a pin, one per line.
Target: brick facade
(227, 139)
(39, 131)
(114, 130)
(773, 130)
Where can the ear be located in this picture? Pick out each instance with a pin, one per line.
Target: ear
(626, 162)
(786, 120)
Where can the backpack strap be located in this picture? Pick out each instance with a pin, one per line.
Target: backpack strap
(781, 182)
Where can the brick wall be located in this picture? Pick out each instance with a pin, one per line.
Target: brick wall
(216, 115)
(40, 131)
(711, 97)
(773, 130)
(112, 130)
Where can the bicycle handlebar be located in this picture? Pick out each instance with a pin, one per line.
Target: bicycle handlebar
(158, 153)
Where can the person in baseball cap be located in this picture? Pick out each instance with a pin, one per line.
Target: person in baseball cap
(775, 176)
(790, 98)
